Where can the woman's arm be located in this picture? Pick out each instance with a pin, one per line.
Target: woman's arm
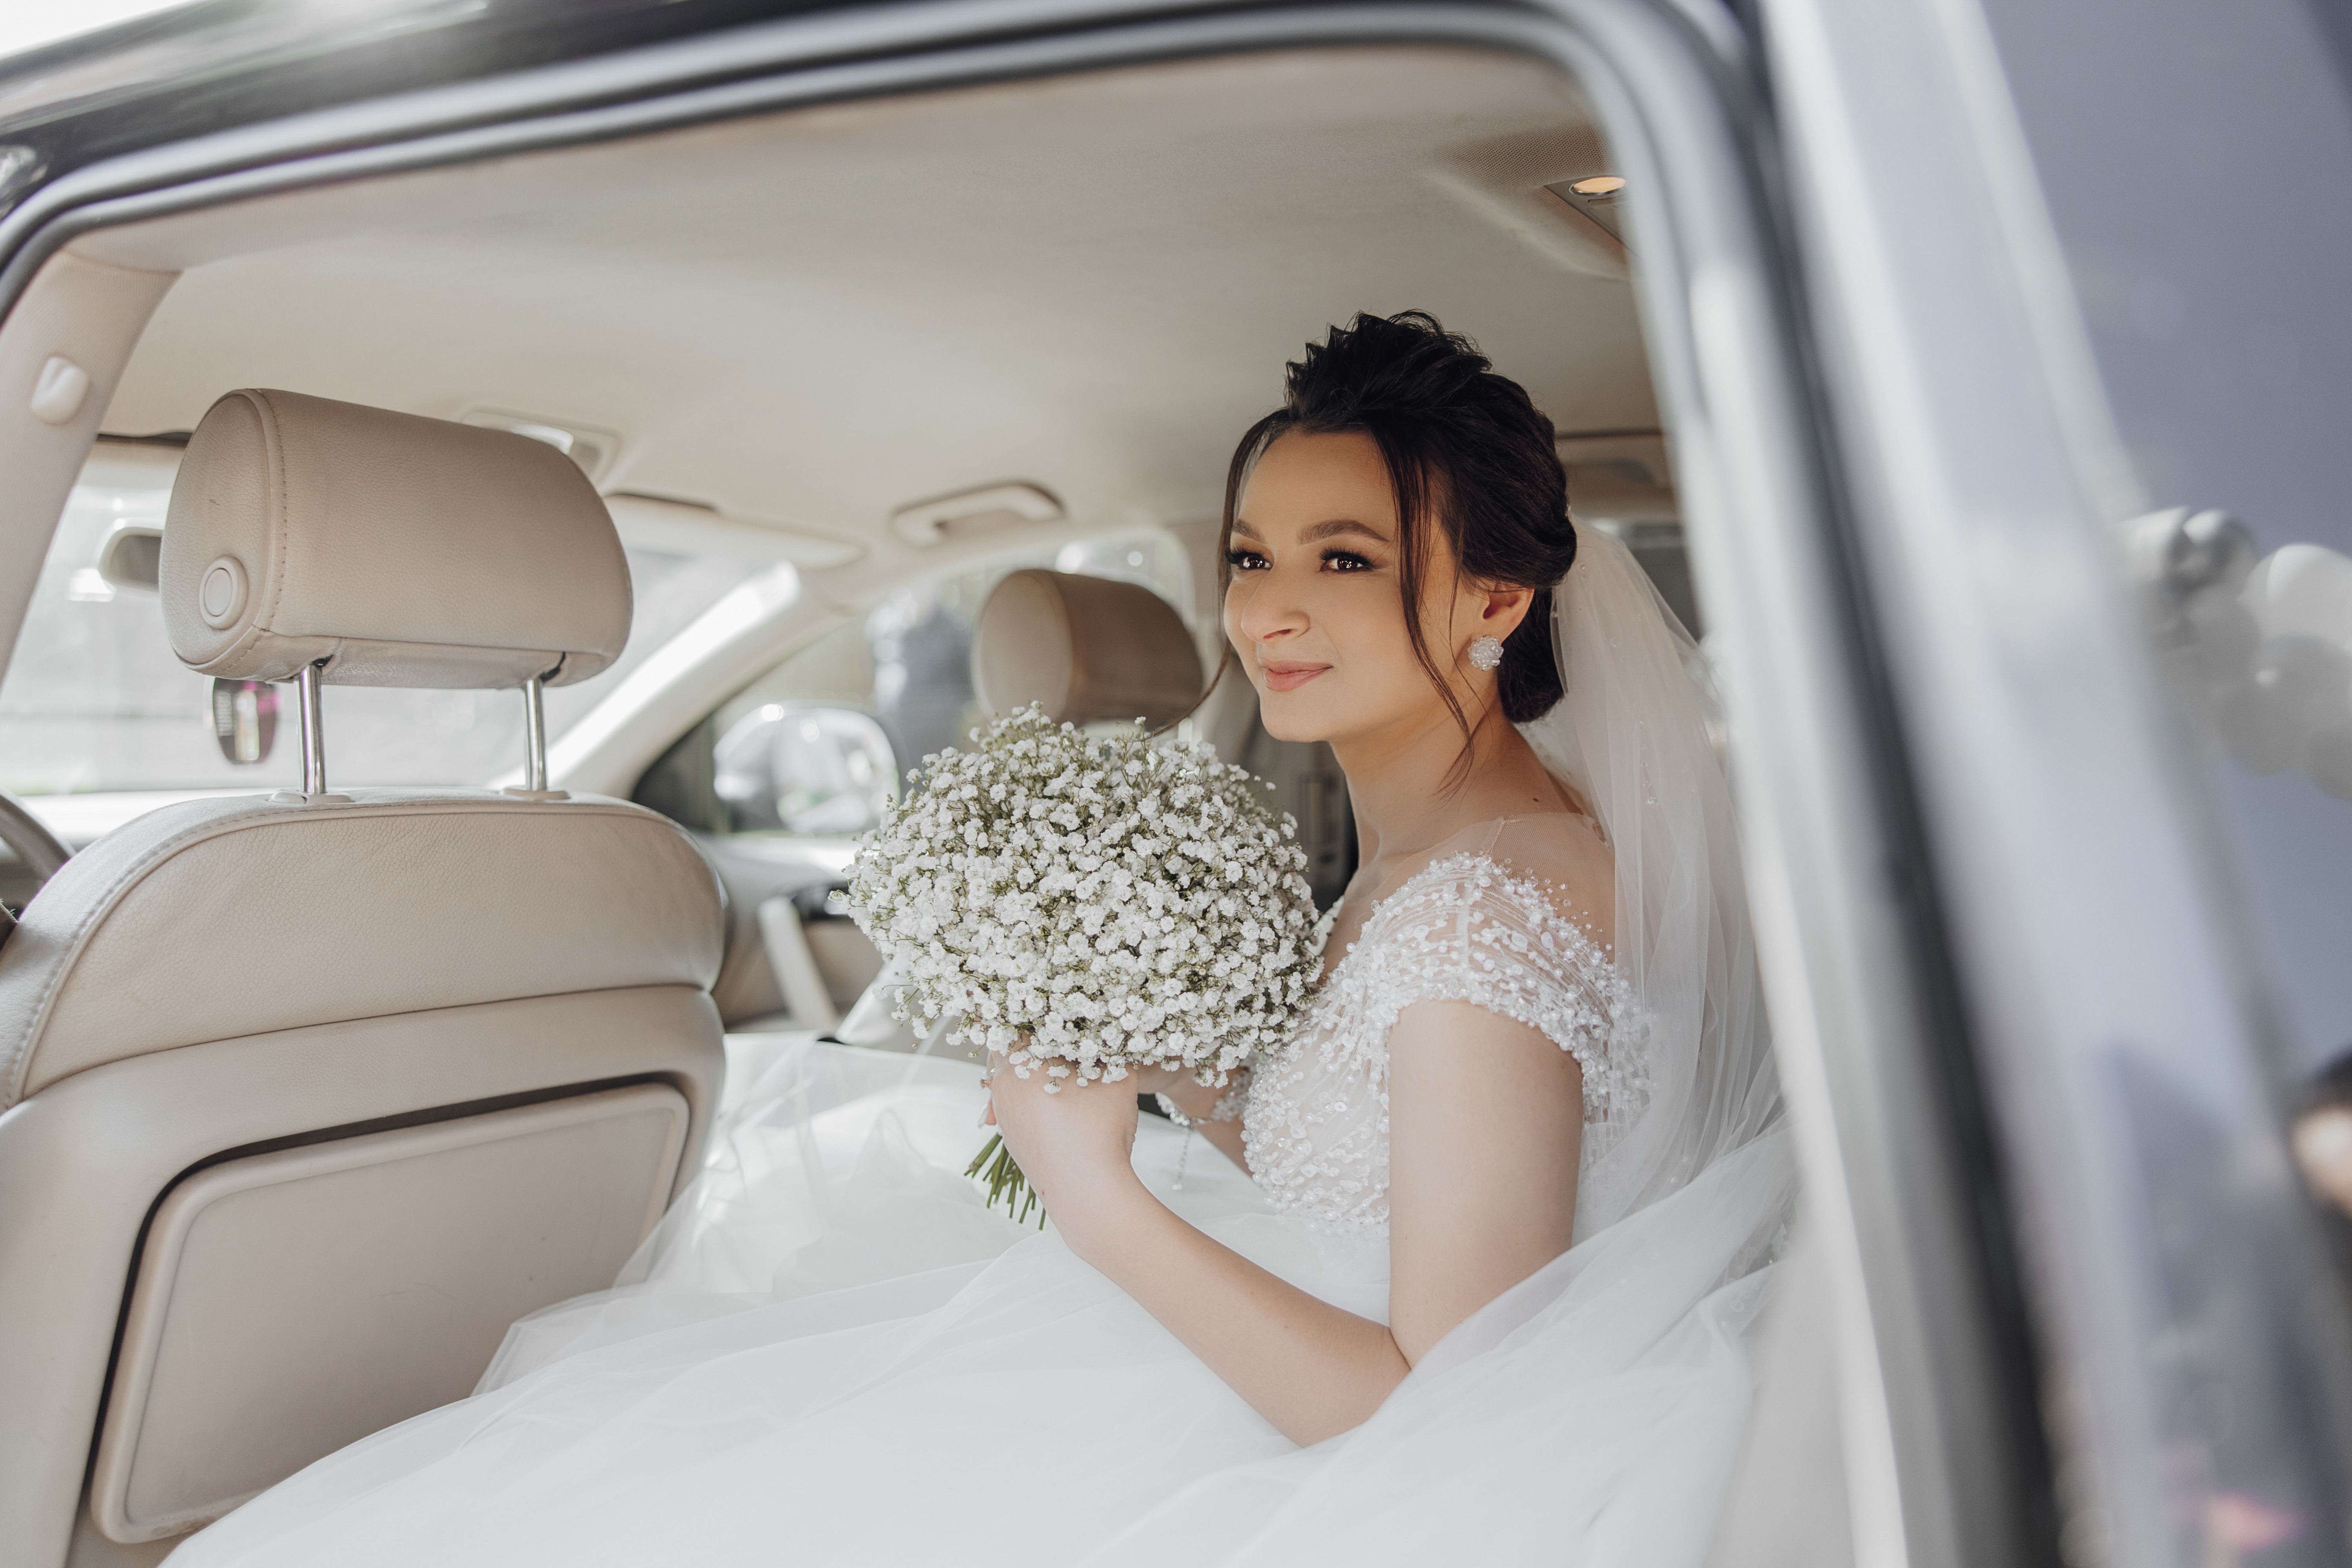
(1483, 1119)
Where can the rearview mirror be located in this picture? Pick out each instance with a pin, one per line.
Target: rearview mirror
(806, 768)
(132, 557)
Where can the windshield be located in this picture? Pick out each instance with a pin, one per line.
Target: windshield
(96, 702)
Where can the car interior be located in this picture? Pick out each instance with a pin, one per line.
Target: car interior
(763, 456)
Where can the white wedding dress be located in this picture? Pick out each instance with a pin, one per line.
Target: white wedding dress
(831, 1352)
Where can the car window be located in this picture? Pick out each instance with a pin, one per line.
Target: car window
(2225, 353)
(818, 744)
(94, 700)
(2225, 349)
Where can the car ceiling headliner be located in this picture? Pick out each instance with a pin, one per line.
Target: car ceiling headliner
(816, 317)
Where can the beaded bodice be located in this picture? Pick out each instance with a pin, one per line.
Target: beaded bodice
(1468, 927)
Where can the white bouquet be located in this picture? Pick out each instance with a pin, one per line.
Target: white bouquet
(1089, 905)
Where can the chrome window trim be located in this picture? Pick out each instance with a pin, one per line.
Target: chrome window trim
(1838, 931)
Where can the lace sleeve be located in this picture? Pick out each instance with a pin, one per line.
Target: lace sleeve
(1465, 928)
(1468, 929)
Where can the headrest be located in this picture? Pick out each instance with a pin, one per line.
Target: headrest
(1086, 647)
(404, 551)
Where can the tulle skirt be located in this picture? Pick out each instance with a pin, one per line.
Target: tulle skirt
(831, 1353)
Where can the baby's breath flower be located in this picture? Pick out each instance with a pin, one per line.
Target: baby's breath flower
(1091, 904)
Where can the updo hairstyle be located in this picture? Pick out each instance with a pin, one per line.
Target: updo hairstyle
(1467, 453)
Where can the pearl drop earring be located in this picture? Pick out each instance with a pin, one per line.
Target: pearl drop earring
(1487, 653)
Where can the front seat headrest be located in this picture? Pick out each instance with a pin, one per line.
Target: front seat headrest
(402, 551)
(1086, 647)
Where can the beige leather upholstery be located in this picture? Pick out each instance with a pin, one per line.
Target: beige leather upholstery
(345, 1231)
(217, 918)
(1086, 647)
(310, 1096)
(222, 979)
(402, 551)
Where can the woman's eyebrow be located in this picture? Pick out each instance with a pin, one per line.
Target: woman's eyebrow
(1308, 535)
(1339, 525)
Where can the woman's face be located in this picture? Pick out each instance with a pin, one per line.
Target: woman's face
(1314, 609)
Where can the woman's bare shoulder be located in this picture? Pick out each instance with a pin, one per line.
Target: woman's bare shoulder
(1560, 858)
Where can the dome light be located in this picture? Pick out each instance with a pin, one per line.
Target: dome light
(1598, 185)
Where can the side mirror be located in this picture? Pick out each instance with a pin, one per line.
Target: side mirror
(807, 768)
(132, 557)
(244, 718)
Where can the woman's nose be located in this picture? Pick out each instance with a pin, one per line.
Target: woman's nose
(1264, 610)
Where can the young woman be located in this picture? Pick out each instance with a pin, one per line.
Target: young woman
(1510, 1191)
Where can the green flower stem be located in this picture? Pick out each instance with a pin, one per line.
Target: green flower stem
(1005, 1181)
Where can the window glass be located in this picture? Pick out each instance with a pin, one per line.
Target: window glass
(2197, 159)
(94, 700)
(784, 762)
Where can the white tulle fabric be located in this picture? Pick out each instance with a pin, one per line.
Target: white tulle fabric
(829, 1352)
(1638, 733)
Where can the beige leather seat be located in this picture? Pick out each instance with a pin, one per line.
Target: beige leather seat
(304, 1097)
(1084, 648)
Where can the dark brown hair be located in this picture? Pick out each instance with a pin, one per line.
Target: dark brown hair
(1466, 448)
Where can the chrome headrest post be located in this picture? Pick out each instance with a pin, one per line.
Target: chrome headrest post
(534, 746)
(314, 738)
(534, 727)
(314, 745)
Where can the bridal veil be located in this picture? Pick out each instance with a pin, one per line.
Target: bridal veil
(1636, 732)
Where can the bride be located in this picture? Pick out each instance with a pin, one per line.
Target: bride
(1473, 1275)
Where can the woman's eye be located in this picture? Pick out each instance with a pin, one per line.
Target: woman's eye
(1245, 560)
(1346, 561)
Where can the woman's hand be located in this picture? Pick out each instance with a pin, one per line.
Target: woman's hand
(1075, 1145)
